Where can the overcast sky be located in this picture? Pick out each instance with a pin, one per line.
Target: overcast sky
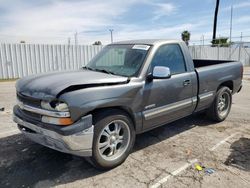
(54, 21)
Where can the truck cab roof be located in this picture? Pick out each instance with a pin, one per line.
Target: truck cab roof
(149, 41)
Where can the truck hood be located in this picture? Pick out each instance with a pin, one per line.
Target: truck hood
(51, 85)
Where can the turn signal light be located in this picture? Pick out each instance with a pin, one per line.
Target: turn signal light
(57, 121)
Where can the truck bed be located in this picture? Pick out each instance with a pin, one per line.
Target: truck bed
(211, 74)
(205, 62)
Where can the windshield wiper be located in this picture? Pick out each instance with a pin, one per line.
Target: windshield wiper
(99, 70)
(88, 68)
(105, 71)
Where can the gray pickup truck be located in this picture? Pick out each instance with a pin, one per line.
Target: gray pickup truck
(128, 88)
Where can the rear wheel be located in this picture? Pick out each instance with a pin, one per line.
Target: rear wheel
(114, 138)
(221, 106)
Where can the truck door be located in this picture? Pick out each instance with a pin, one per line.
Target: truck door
(166, 100)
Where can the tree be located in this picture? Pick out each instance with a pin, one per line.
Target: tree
(97, 43)
(215, 18)
(221, 42)
(185, 36)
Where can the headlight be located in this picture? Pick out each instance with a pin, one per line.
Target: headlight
(55, 106)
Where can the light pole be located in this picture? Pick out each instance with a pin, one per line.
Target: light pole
(230, 35)
(215, 19)
(111, 35)
(231, 24)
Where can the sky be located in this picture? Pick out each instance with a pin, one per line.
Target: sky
(57, 21)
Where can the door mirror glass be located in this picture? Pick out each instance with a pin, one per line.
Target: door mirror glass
(161, 72)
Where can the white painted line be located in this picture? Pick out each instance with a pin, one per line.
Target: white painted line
(9, 132)
(188, 164)
(223, 141)
(174, 173)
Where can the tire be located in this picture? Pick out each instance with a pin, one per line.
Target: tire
(114, 138)
(221, 105)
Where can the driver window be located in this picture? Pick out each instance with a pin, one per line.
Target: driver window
(170, 56)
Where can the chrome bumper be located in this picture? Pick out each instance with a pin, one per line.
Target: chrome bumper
(77, 144)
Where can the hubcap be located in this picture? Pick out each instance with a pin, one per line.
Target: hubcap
(114, 140)
(223, 104)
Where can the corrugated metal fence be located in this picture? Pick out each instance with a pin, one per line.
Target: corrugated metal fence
(221, 53)
(18, 60)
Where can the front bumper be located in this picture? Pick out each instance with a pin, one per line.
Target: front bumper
(79, 143)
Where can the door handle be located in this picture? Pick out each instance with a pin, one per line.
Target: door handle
(186, 82)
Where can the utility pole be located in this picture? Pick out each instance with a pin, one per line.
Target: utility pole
(231, 24)
(240, 46)
(203, 38)
(111, 35)
(76, 38)
(230, 36)
(215, 19)
(200, 46)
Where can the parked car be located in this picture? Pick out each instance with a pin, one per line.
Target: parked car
(128, 88)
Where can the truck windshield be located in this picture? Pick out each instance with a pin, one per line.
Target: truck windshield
(123, 60)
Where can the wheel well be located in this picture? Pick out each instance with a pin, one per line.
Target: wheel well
(125, 110)
(228, 84)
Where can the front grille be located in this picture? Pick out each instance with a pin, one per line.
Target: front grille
(32, 115)
(29, 100)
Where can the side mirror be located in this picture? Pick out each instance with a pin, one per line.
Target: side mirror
(161, 72)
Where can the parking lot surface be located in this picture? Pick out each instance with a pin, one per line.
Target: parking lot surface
(164, 157)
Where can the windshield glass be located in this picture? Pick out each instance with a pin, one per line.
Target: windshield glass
(123, 60)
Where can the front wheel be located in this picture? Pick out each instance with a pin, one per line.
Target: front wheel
(221, 105)
(114, 137)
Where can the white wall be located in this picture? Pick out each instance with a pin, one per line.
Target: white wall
(18, 60)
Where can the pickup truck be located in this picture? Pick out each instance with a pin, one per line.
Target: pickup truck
(128, 88)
